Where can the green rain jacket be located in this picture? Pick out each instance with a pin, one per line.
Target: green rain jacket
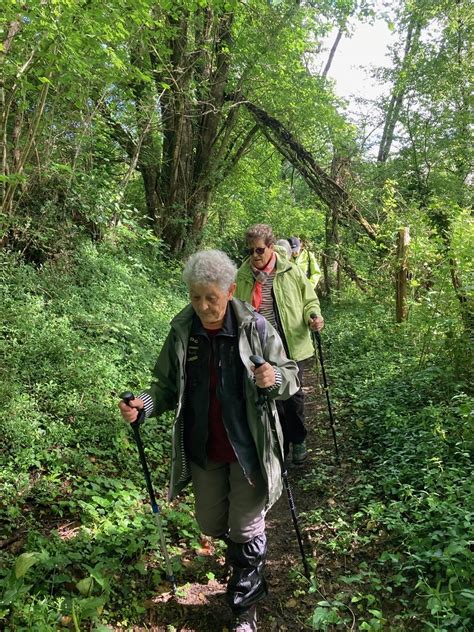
(307, 263)
(295, 300)
(167, 392)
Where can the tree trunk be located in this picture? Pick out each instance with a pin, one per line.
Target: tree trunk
(402, 274)
(6, 199)
(323, 185)
(181, 175)
(398, 94)
(463, 166)
(332, 52)
(331, 250)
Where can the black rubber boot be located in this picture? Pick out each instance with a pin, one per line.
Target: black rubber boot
(247, 584)
(246, 622)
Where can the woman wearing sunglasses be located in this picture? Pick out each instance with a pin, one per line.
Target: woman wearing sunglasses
(281, 292)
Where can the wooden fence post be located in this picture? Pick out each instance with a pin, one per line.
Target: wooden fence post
(402, 273)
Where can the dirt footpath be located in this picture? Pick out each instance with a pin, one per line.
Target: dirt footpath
(200, 605)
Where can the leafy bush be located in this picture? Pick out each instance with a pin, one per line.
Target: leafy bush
(410, 417)
(76, 332)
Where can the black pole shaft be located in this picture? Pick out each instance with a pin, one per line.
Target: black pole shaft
(127, 397)
(141, 454)
(317, 337)
(154, 505)
(294, 518)
(258, 361)
(289, 492)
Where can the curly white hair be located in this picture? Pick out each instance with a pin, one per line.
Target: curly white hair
(207, 267)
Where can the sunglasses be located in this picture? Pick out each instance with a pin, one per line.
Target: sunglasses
(259, 251)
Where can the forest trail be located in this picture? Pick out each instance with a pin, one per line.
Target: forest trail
(201, 607)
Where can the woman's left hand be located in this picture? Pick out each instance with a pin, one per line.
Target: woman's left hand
(264, 375)
(316, 324)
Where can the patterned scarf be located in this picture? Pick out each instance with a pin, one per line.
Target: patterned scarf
(261, 275)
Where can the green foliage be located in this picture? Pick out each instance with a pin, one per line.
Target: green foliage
(108, 98)
(262, 189)
(75, 333)
(410, 415)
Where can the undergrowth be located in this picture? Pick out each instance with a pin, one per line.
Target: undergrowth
(79, 539)
(405, 526)
(80, 549)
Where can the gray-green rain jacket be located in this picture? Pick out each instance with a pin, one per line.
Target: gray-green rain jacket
(168, 388)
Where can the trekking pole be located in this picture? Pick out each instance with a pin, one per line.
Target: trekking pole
(318, 344)
(258, 361)
(127, 398)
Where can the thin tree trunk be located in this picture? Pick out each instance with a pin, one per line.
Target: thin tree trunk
(398, 94)
(332, 52)
(13, 30)
(465, 299)
(402, 274)
(326, 285)
(331, 249)
(464, 135)
(21, 159)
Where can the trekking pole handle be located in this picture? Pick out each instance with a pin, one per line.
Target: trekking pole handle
(316, 333)
(127, 398)
(257, 360)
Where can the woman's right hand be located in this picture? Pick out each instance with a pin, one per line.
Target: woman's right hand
(130, 413)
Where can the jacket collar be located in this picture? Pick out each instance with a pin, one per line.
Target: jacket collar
(229, 326)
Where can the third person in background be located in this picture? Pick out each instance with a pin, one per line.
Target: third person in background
(285, 248)
(281, 292)
(305, 260)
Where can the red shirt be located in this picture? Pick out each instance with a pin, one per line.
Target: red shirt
(219, 448)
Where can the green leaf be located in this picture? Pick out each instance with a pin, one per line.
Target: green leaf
(85, 586)
(24, 562)
(102, 502)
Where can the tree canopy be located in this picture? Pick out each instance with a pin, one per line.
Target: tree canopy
(136, 132)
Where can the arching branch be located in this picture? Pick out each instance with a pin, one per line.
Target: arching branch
(323, 185)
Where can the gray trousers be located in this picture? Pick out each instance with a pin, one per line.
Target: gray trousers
(227, 503)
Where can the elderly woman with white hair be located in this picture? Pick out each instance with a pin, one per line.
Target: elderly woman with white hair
(222, 437)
